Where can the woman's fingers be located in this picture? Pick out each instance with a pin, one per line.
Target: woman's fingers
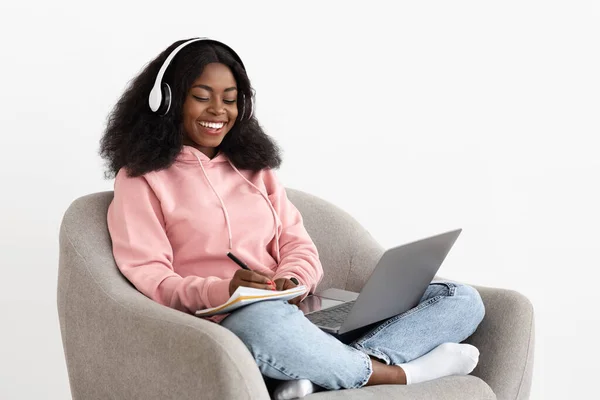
(250, 277)
(260, 281)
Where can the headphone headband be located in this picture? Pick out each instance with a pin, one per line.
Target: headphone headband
(159, 99)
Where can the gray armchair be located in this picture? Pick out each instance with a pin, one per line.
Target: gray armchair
(119, 344)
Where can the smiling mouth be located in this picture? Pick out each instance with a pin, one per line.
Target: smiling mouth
(212, 125)
(212, 128)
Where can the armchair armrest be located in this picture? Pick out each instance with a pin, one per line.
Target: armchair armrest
(119, 344)
(505, 339)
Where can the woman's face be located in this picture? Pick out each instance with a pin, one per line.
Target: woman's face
(210, 108)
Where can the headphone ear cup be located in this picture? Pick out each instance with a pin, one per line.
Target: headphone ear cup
(247, 108)
(165, 104)
(251, 106)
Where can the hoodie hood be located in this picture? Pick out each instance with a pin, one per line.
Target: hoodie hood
(190, 155)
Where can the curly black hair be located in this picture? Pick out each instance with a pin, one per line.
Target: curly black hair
(142, 141)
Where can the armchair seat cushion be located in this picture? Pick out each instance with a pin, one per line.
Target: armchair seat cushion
(449, 388)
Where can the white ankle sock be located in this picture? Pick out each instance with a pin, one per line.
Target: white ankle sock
(446, 359)
(294, 389)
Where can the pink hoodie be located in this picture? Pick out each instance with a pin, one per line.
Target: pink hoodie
(171, 230)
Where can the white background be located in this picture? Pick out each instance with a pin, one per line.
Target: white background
(415, 118)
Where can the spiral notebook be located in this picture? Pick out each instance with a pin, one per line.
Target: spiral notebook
(244, 296)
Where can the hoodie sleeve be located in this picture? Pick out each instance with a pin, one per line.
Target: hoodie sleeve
(143, 252)
(299, 256)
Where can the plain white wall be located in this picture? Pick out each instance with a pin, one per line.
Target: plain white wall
(415, 118)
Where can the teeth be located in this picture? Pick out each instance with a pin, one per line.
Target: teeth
(213, 125)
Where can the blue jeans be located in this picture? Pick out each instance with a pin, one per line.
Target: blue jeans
(286, 345)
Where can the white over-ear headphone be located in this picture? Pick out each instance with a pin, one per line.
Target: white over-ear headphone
(159, 99)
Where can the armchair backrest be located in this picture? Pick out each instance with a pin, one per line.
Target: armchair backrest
(347, 250)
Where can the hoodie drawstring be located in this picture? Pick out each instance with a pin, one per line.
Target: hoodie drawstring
(278, 256)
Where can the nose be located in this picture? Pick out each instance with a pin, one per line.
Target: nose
(217, 107)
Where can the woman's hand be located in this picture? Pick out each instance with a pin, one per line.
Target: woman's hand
(285, 284)
(243, 277)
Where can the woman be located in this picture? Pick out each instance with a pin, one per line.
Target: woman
(195, 180)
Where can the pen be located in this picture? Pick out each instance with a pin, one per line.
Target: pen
(238, 261)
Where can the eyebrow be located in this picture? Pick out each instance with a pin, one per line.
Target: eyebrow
(211, 89)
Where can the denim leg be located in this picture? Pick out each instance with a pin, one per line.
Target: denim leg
(447, 312)
(286, 345)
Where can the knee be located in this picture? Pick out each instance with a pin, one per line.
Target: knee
(472, 307)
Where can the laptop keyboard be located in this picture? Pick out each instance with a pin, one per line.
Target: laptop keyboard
(331, 317)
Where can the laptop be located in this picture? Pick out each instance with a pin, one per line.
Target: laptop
(396, 285)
